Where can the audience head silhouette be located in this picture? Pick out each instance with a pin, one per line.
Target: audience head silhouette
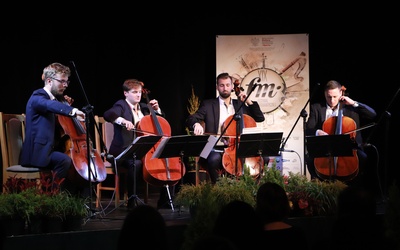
(272, 203)
(144, 224)
(238, 222)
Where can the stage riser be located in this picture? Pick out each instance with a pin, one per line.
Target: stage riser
(83, 240)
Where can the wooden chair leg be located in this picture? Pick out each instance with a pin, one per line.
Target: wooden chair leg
(116, 190)
(98, 194)
(117, 196)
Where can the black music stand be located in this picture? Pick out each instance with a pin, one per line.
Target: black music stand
(184, 145)
(259, 144)
(330, 146)
(138, 149)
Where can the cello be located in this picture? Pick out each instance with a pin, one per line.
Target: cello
(158, 172)
(344, 168)
(229, 159)
(77, 149)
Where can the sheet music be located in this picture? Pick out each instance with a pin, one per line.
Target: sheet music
(127, 149)
(209, 146)
(160, 147)
(252, 130)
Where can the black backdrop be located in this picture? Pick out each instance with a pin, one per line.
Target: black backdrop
(170, 52)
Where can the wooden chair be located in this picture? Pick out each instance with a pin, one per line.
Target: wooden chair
(12, 135)
(107, 131)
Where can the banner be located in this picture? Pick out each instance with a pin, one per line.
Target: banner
(276, 69)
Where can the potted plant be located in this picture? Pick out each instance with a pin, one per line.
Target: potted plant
(75, 211)
(41, 204)
(13, 213)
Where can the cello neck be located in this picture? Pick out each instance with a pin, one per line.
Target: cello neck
(153, 113)
(338, 130)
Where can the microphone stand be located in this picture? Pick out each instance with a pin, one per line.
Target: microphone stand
(237, 117)
(386, 114)
(303, 113)
(88, 109)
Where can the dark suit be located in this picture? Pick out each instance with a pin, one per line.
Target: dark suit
(317, 119)
(209, 113)
(123, 138)
(40, 137)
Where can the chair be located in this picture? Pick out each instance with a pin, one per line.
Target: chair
(12, 133)
(106, 131)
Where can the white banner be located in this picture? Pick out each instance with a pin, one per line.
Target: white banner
(278, 66)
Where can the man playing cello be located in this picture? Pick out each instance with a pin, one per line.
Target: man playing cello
(320, 112)
(42, 131)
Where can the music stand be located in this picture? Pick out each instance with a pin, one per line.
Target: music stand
(138, 149)
(259, 144)
(330, 146)
(189, 145)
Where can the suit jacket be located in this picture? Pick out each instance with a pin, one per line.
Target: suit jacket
(318, 114)
(41, 124)
(122, 137)
(208, 113)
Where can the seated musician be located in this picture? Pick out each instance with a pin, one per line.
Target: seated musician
(42, 128)
(320, 112)
(126, 114)
(214, 112)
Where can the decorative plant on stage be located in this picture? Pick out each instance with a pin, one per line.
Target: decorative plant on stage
(194, 103)
(39, 199)
(308, 198)
(193, 106)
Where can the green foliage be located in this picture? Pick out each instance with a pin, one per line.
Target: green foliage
(308, 198)
(24, 198)
(14, 205)
(75, 206)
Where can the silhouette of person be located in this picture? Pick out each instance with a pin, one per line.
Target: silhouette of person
(273, 208)
(145, 224)
(237, 221)
(357, 226)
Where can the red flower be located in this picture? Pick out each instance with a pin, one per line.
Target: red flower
(302, 203)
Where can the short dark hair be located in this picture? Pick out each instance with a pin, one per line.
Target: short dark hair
(224, 76)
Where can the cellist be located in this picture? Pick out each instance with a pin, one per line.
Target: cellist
(214, 112)
(125, 114)
(42, 131)
(320, 112)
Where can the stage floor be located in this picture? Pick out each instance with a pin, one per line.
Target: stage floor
(101, 229)
(107, 216)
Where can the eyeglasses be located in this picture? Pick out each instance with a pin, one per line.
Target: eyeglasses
(61, 81)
